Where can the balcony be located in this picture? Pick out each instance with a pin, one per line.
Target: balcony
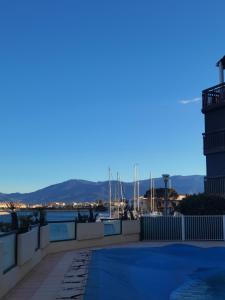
(214, 142)
(215, 185)
(213, 98)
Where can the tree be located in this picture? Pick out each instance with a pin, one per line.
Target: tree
(202, 204)
(12, 206)
(160, 193)
(42, 216)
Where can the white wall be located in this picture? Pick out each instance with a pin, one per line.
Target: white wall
(1, 260)
(26, 244)
(27, 259)
(89, 235)
(44, 236)
(94, 243)
(131, 227)
(12, 277)
(89, 231)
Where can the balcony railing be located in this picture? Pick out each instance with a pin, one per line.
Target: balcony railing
(213, 97)
(215, 185)
(214, 142)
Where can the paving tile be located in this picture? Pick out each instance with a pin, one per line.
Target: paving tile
(32, 282)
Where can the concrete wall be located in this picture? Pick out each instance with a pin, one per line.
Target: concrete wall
(131, 227)
(44, 236)
(1, 260)
(26, 244)
(12, 277)
(89, 235)
(89, 231)
(27, 259)
(94, 243)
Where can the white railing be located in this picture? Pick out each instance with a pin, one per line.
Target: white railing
(183, 228)
(203, 228)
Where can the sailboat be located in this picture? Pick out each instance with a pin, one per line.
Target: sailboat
(153, 209)
(136, 196)
(104, 217)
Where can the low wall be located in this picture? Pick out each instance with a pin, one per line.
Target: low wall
(44, 236)
(89, 235)
(12, 277)
(90, 231)
(26, 244)
(94, 243)
(131, 227)
(1, 261)
(28, 256)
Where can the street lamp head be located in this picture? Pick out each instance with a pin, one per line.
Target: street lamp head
(165, 177)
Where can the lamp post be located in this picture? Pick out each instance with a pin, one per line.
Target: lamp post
(166, 179)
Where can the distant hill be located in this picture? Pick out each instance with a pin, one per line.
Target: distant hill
(82, 190)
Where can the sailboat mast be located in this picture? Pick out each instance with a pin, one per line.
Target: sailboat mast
(150, 189)
(153, 194)
(118, 200)
(170, 184)
(110, 195)
(135, 187)
(121, 196)
(138, 192)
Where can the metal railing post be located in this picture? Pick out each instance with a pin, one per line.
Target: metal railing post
(16, 248)
(142, 229)
(224, 227)
(183, 227)
(39, 236)
(75, 230)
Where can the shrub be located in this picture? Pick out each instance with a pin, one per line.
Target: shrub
(202, 204)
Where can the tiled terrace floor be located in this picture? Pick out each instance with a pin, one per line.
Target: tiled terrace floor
(44, 281)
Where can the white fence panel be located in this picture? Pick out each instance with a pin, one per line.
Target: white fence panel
(161, 228)
(190, 228)
(203, 228)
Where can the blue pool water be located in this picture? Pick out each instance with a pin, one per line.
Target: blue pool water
(157, 273)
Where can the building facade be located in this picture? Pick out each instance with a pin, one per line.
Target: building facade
(213, 108)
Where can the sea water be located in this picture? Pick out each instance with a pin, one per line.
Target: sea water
(65, 215)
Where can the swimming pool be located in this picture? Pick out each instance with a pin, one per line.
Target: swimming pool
(157, 273)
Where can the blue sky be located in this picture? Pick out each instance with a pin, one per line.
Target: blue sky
(90, 84)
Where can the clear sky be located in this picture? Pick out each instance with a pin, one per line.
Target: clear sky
(90, 84)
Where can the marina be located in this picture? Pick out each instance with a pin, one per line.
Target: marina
(112, 178)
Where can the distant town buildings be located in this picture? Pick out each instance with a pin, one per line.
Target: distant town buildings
(4, 205)
(57, 205)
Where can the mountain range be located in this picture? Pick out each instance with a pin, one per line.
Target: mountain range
(75, 190)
